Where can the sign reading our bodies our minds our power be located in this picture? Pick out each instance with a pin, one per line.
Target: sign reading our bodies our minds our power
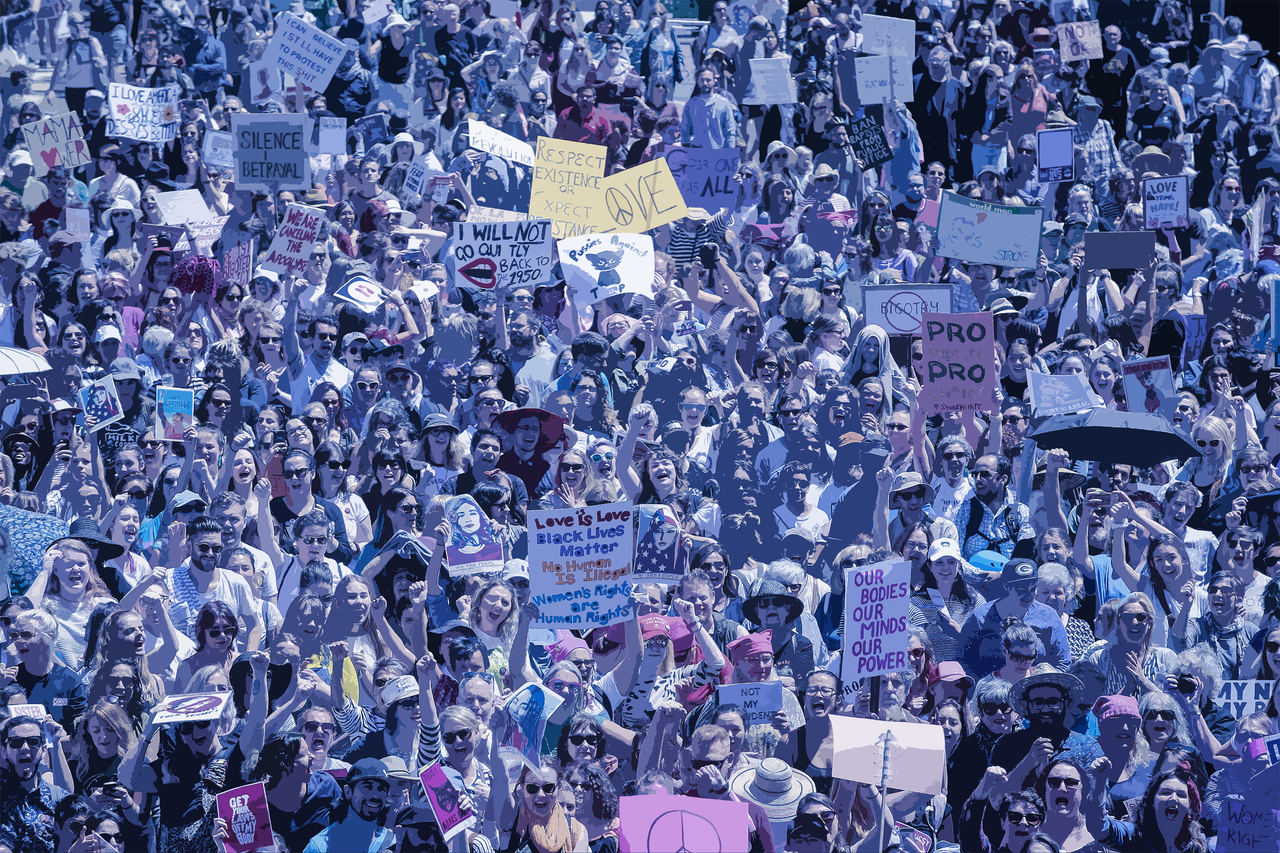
(875, 620)
(580, 564)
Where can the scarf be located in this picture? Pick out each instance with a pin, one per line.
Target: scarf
(551, 836)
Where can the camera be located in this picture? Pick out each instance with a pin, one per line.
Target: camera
(1186, 685)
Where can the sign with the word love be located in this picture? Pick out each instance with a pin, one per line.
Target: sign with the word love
(580, 565)
(142, 113)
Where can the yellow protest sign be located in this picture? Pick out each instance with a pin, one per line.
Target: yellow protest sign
(566, 185)
(640, 198)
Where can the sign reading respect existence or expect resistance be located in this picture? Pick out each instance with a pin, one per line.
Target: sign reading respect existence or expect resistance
(959, 363)
(580, 564)
(269, 151)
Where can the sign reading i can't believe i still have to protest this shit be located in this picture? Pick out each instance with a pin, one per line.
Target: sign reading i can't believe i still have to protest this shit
(580, 564)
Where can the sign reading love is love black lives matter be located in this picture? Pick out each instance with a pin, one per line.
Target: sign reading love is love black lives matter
(269, 151)
(580, 564)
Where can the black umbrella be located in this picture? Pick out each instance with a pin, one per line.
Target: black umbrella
(1137, 438)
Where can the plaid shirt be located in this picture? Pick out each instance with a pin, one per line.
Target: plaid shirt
(1100, 151)
(998, 531)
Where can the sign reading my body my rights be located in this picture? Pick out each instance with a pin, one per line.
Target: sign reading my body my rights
(580, 565)
(269, 151)
(959, 361)
(137, 112)
(875, 620)
(496, 254)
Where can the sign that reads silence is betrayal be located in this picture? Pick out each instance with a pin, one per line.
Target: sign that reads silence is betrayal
(959, 363)
(580, 565)
(503, 254)
(292, 245)
(269, 151)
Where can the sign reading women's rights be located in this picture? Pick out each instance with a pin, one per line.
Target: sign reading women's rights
(304, 52)
(147, 115)
(269, 151)
(503, 254)
(1164, 202)
(875, 620)
(986, 233)
(959, 363)
(56, 141)
(599, 266)
(705, 176)
(291, 248)
(247, 817)
(580, 565)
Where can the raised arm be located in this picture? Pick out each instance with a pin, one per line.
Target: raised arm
(880, 521)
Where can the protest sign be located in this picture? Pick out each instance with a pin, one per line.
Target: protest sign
(875, 78)
(1247, 824)
(1244, 697)
(705, 176)
(1059, 393)
(638, 199)
(894, 37)
(303, 52)
(1272, 742)
(503, 254)
(487, 139)
(875, 620)
(528, 710)
(445, 803)
(1079, 40)
(1105, 250)
(78, 222)
(771, 82)
(987, 233)
(101, 404)
(580, 565)
(362, 292)
(1148, 384)
(917, 754)
(175, 411)
(182, 206)
(897, 308)
(248, 819)
(204, 234)
(1164, 202)
(959, 363)
(137, 112)
(55, 141)
(1055, 155)
(237, 262)
(661, 823)
(265, 82)
(1198, 330)
(658, 551)
(478, 213)
(331, 134)
(566, 183)
(189, 708)
(269, 153)
(870, 145)
(374, 129)
(473, 544)
(219, 149)
(599, 266)
(37, 711)
(759, 702)
(291, 248)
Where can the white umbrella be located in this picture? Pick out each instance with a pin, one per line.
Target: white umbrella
(14, 362)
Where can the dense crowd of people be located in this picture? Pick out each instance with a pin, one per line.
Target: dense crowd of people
(1072, 622)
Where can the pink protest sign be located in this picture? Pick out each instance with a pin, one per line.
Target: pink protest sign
(444, 801)
(660, 823)
(248, 818)
(959, 363)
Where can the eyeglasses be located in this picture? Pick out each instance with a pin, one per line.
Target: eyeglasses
(760, 660)
(698, 764)
(990, 708)
(952, 457)
(368, 386)
(206, 548)
(548, 788)
(387, 464)
(1167, 716)
(452, 737)
(22, 635)
(693, 407)
(571, 467)
(816, 690)
(220, 404)
(1239, 542)
(791, 413)
(913, 494)
(137, 494)
(1254, 469)
(313, 726)
(411, 509)
(602, 457)
(1047, 704)
(486, 676)
(169, 300)
(656, 643)
(1062, 782)
(579, 740)
(180, 362)
(1020, 658)
(1018, 818)
(219, 632)
(1013, 419)
(315, 540)
(327, 336)
(295, 473)
(20, 742)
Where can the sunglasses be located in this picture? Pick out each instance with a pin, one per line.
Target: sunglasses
(698, 764)
(453, 737)
(1062, 782)
(315, 540)
(1167, 716)
(1018, 819)
(1213, 442)
(313, 726)
(20, 742)
(296, 473)
(548, 788)
(189, 728)
(579, 740)
(1253, 469)
(265, 340)
(1273, 646)
(219, 632)
(913, 494)
(609, 457)
(1021, 658)
(205, 548)
(138, 494)
(990, 708)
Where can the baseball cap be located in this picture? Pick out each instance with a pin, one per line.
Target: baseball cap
(106, 333)
(187, 500)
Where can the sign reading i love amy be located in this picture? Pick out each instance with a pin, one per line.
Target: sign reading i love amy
(56, 141)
